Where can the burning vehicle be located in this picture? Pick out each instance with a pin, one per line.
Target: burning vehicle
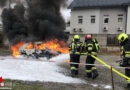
(40, 49)
(35, 52)
(27, 23)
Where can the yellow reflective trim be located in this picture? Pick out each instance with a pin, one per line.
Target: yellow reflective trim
(74, 68)
(88, 70)
(128, 80)
(90, 44)
(127, 51)
(89, 54)
(90, 48)
(78, 44)
(127, 54)
(94, 52)
(77, 52)
(94, 68)
(84, 53)
(96, 46)
(122, 48)
(72, 45)
(121, 52)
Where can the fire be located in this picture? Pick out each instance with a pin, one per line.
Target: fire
(59, 46)
(15, 49)
(55, 45)
(30, 46)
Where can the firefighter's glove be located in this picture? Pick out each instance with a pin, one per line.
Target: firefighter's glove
(123, 63)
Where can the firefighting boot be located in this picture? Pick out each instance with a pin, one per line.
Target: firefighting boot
(94, 74)
(128, 85)
(76, 72)
(73, 73)
(89, 74)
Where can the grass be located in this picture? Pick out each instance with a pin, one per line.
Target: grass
(24, 85)
(21, 85)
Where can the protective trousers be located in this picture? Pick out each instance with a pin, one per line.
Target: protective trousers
(74, 58)
(89, 60)
(91, 71)
(127, 70)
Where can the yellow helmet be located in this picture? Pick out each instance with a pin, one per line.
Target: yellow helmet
(76, 37)
(122, 37)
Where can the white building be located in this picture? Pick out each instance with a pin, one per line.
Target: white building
(104, 19)
(100, 16)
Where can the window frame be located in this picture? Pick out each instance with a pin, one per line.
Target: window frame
(93, 18)
(80, 19)
(106, 17)
(120, 16)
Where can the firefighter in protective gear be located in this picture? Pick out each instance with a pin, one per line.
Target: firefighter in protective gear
(91, 47)
(75, 49)
(125, 53)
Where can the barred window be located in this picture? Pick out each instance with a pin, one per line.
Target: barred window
(93, 19)
(120, 18)
(112, 40)
(80, 19)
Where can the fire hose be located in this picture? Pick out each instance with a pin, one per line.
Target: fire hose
(114, 70)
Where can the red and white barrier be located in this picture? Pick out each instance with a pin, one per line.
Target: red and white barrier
(2, 84)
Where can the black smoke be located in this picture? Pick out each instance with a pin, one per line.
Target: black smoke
(3, 3)
(14, 26)
(40, 21)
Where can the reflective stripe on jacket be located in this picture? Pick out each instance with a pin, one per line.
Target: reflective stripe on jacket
(75, 47)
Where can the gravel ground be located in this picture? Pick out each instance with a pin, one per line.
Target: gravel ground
(104, 77)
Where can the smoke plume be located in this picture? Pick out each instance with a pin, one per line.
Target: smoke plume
(3, 3)
(14, 24)
(40, 21)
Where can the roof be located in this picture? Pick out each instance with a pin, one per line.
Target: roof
(97, 3)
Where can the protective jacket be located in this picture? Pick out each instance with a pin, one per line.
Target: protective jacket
(125, 48)
(91, 46)
(75, 47)
(125, 52)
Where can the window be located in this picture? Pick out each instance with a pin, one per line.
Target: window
(74, 30)
(120, 18)
(68, 24)
(80, 19)
(106, 18)
(93, 19)
(112, 40)
(80, 30)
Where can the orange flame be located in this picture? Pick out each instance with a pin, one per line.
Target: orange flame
(15, 49)
(55, 45)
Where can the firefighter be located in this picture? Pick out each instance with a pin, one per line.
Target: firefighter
(91, 47)
(125, 53)
(75, 50)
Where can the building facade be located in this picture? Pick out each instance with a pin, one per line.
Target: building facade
(104, 19)
(100, 18)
